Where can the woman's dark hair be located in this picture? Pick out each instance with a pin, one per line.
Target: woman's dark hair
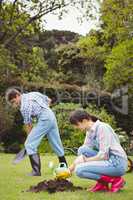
(11, 94)
(79, 115)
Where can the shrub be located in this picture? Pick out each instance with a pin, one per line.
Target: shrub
(6, 119)
(11, 128)
(70, 136)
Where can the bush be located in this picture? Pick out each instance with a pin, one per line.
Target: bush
(45, 147)
(70, 136)
(6, 119)
(102, 114)
(11, 128)
(14, 136)
(13, 148)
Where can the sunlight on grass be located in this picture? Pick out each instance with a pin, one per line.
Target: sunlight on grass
(14, 182)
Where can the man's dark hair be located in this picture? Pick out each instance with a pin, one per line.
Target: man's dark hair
(79, 115)
(11, 94)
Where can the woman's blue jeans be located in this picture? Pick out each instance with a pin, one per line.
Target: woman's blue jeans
(46, 126)
(115, 166)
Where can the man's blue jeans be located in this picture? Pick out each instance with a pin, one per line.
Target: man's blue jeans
(115, 166)
(46, 125)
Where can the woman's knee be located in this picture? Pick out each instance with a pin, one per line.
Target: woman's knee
(83, 173)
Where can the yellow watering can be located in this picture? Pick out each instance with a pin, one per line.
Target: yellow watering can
(62, 171)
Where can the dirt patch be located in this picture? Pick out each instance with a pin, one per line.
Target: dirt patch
(52, 186)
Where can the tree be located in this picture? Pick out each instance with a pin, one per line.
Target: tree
(72, 64)
(36, 67)
(7, 68)
(49, 41)
(20, 22)
(117, 20)
(119, 66)
(82, 62)
(13, 18)
(95, 54)
(18, 15)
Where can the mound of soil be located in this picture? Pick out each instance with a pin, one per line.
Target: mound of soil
(52, 186)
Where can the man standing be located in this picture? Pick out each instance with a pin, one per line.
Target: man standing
(35, 104)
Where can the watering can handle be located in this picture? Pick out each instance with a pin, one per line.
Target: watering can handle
(62, 164)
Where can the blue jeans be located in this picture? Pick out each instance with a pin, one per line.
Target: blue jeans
(115, 166)
(46, 125)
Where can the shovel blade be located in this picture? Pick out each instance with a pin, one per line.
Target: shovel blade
(19, 156)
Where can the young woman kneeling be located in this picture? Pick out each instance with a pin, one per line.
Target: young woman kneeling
(101, 157)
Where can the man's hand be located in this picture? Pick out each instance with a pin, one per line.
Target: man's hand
(49, 101)
(28, 128)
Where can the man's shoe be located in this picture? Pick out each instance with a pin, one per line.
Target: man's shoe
(34, 174)
(36, 165)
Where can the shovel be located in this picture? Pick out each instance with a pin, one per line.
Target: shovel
(19, 156)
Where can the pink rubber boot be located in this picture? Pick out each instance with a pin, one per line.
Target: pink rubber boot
(117, 182)
(99, 187)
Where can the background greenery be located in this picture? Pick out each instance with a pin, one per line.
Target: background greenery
(59, 63)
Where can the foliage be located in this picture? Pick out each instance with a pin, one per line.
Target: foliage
(72, 64)
(119, 66)
(21, 15)
(49, 41)
(73, 137)
(70, 136)
(5, 118)
(14, 20)
(116, 20)
(11, 128)
(33, 58)
(81, 62)
(7, 68)
(13, 138)
(36, 66)
(102, 114)
(124, 139)
(95, 55)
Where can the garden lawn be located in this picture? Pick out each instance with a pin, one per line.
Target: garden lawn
(14, 182)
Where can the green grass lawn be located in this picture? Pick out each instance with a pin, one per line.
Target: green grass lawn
(14, 182)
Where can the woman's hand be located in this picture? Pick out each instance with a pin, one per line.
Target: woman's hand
(80, 159)
(71, 168)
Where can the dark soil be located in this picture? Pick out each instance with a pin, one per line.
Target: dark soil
(52, 186)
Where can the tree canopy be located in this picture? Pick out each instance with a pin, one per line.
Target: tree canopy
(119, 66)
(18, 16)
